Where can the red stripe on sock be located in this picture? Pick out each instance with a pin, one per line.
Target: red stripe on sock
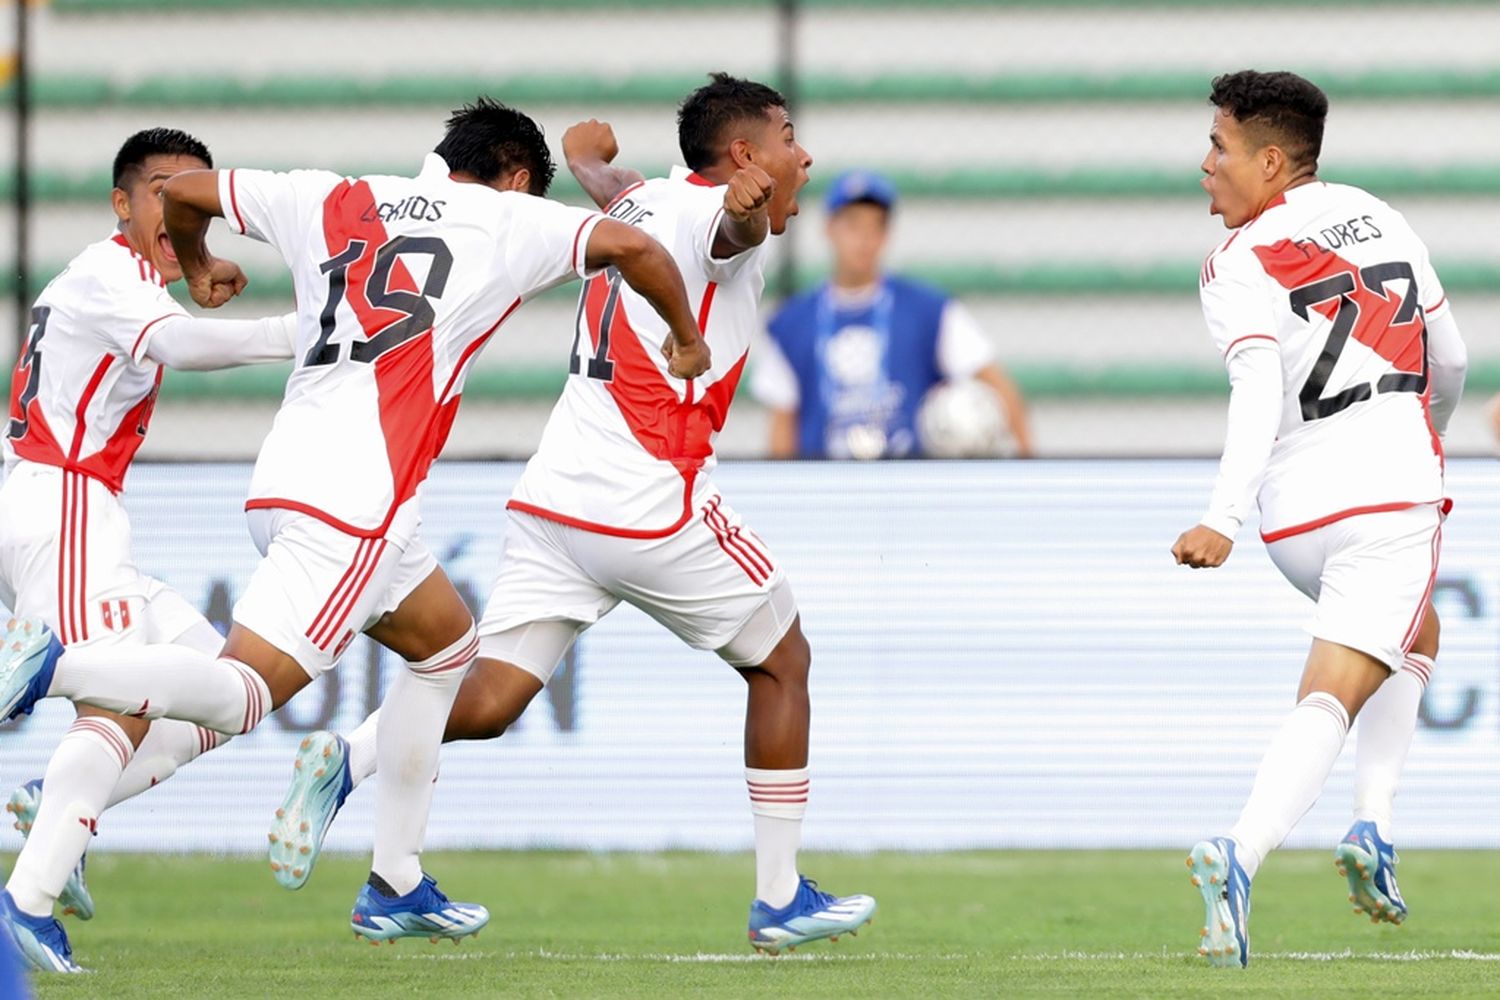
(111, 736)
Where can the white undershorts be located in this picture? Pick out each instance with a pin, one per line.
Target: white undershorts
(1371, 574)
(317, 587)
(712, 584)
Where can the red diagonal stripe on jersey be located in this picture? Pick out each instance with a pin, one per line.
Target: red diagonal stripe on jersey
(1296, 264)
(670, 429)
(413, 422)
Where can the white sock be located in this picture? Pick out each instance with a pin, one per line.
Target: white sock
(83, 770)
(164, 681)
(778, 799)
(1386, 725)
(407, 750)
(169, 744)
(362, 749)
(1291, 776)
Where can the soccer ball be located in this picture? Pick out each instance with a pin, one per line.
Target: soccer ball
(963, 420)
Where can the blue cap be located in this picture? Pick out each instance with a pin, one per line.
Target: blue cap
(860, 185)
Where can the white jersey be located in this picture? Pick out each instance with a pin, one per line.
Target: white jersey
(1337, 280)
(400, 281)
(83, 390)
(628, 447)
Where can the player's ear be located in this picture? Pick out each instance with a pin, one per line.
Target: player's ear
(517, 180)
(1272, 160)
(742, 152)
(121, 203)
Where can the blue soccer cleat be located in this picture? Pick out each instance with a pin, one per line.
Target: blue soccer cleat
(41, 941)
(1226, 898)
(1369, 864)
(320, 784)
(812, 915)
(28, 654)
(75, 899)
(423, 912)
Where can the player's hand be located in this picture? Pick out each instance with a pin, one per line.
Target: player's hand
(592, 139)
(750, 189)
(1201, 547)
(222, 281)
(686, 362)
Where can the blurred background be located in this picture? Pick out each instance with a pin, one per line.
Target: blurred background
(1046, 155)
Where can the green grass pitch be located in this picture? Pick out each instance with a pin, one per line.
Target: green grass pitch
(994, 924)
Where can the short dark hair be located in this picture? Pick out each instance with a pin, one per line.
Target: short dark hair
(713, 109)
(1276, 107)
(155, 142)
(489, 139)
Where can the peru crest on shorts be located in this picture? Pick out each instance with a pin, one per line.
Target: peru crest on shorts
(116, 615)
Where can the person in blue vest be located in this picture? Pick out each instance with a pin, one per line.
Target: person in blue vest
(847, 364)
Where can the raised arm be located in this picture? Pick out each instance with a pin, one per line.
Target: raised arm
(746, 222)
(590, 149)
(189, 201)
(649, 269)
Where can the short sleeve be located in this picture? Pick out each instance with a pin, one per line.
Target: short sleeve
(1236, 305)
(275, 208)
(702, 221)
(773, 383)
(545, 243)
(962, 347)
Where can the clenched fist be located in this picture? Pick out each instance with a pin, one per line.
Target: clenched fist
(686, 362)
(590, 139)
(749, 190)
(222, 281)
(1201, 547)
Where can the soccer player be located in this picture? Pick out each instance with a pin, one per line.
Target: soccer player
(400, 282)
(617, 504)
(1345, 364)
(81, 401)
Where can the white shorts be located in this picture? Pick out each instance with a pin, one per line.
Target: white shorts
(1372, 576)
(65, 559)
(712, 584)
(317, 587)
